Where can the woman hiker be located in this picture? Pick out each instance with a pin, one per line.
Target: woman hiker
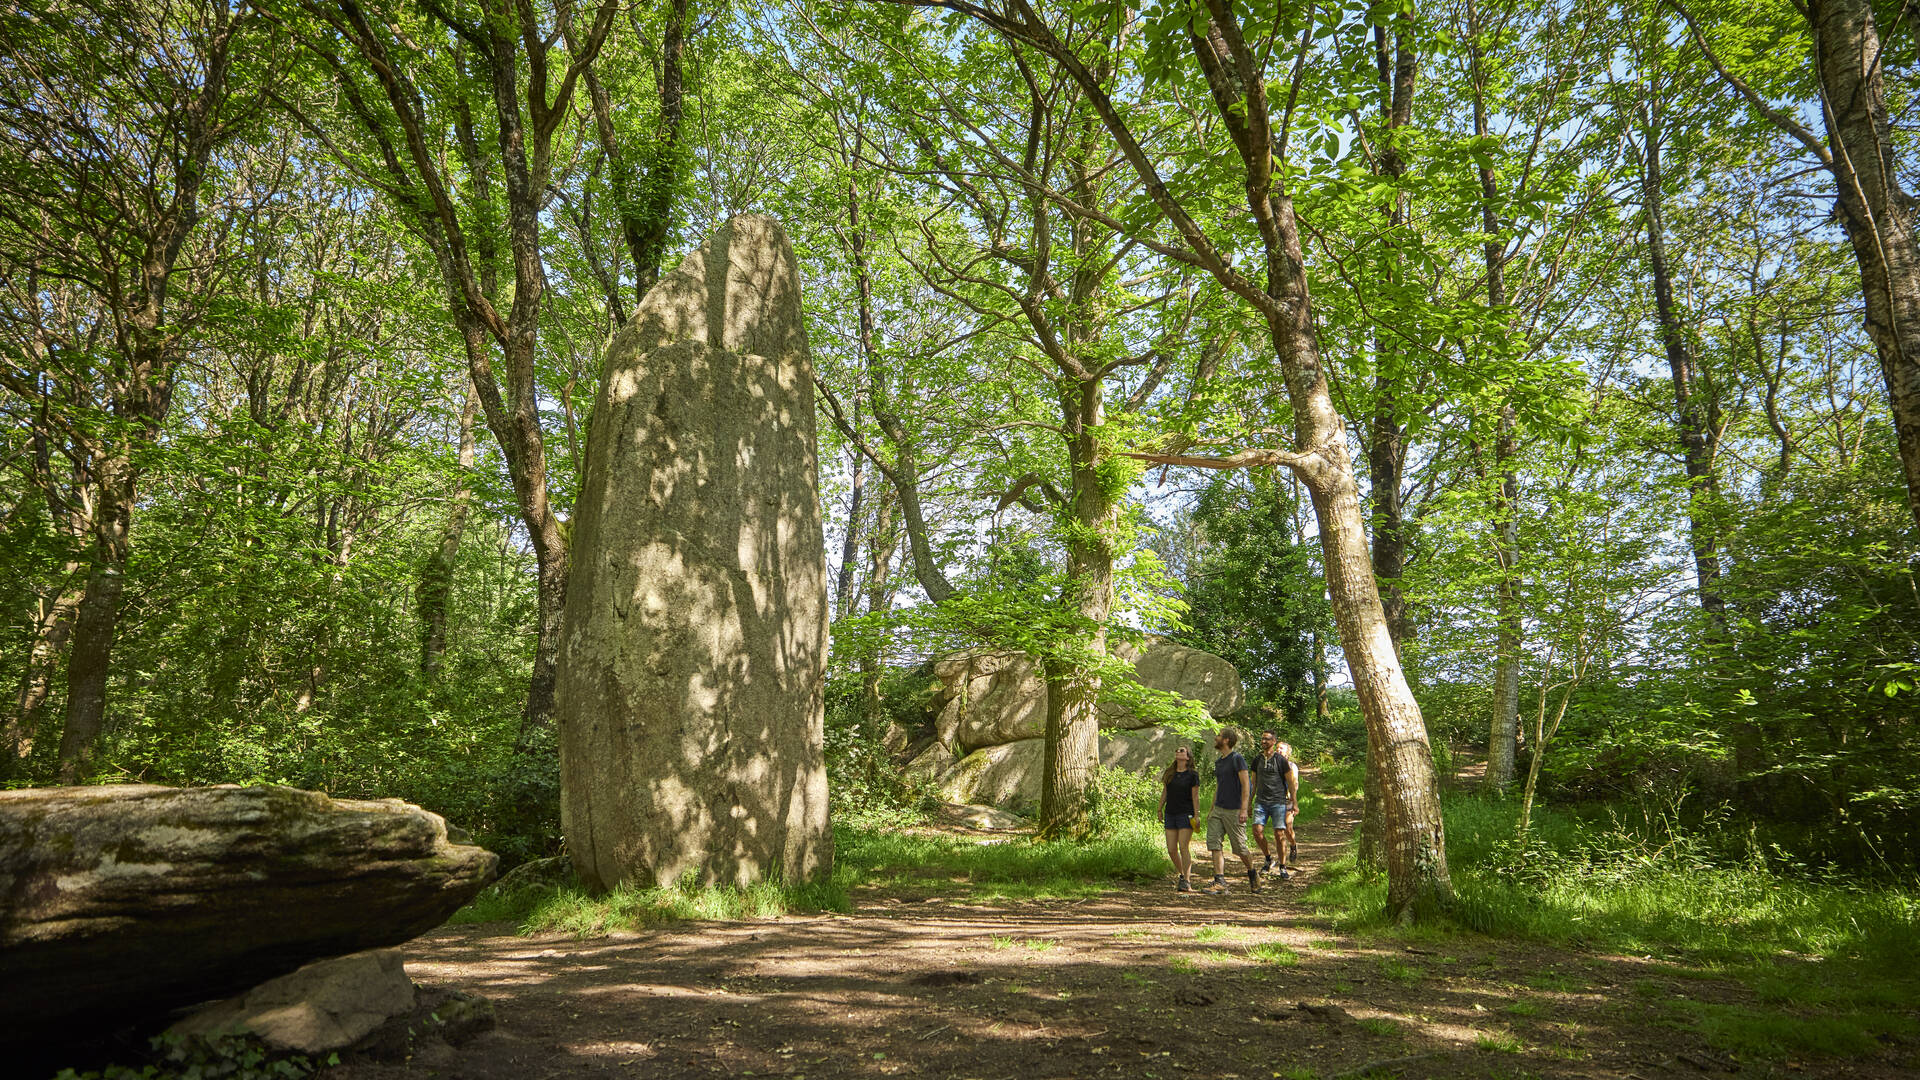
(1177, 787)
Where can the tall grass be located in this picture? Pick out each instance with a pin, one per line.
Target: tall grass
(1013, 867)
(1842, 954)
(1656, 890)
(875, 848)
(1647, 891)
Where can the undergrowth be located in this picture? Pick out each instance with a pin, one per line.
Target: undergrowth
(874, 846)
(880, 846)
(569, 910)
(1832, 959)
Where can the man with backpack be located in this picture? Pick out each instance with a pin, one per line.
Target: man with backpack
(1276, 793)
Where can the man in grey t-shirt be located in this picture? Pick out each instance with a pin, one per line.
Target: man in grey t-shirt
(1227, 821)
(1276, 793)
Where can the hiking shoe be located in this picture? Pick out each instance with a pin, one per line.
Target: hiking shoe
(1218, 887)
(1293, 855)
(1253, 879)
(1267, 867)
(1285, 874)
(1183, 886)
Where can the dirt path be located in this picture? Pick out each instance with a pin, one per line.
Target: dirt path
(1142, 982)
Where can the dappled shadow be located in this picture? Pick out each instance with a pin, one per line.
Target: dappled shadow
(1140, 982)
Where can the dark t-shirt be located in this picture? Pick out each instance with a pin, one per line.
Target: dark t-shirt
(1180, 791)
(1270, 777)
(1226, 777)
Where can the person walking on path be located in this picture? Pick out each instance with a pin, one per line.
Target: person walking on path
(1178, 785)
(1275, 784)
(1232, 794)
(1293, 804)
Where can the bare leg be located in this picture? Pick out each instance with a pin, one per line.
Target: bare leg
(1219, 862)
(1186, 853)
(1173, 851)
(1260, 837)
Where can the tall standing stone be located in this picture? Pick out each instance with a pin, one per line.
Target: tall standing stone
(693, 659)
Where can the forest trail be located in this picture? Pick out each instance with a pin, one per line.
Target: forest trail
(1139, 982)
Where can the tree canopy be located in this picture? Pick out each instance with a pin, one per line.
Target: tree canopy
(1539, 379)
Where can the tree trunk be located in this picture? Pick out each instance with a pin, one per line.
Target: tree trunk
(883, 539)
(1071, 770)
(1386, 448)
(843, 593)
(1878, 215)
(1386, 445)
(1415, 847)
(1503, 734)
(904, 473)
(515, 425)
(1691, 418)
(1503, 737)
(1371, 851)
(96, 620)
(1073, 685)
(1402, 759)
(843, 586)
(435, 588)
(53, 625)
(643, 198)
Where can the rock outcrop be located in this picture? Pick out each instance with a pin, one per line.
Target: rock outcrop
(327, 1005)
(120, 903)
(1189, 672)
(1009, 775)
(987, 717)
(996, 698)
(361, 1006)
(691, 678)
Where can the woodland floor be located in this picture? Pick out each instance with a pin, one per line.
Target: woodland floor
(1139, 982)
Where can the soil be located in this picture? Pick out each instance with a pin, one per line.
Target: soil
(1140, 982)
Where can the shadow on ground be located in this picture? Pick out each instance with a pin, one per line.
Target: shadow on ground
(1142, 982)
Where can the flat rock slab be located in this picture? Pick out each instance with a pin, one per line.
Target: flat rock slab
(121, 903)
(326, 1005)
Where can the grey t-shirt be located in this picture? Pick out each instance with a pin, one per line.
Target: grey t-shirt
(1270, 777)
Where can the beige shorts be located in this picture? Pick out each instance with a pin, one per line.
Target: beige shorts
(1222, 820)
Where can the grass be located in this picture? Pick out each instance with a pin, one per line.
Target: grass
(1018, 869)
(548, 909)
(1834, 962)
(866, 855)
(1211, 933)
(1401, 972)
(1775, 1034)
(1502, 1042)
(1273, 952)
(1556, 984)
(1378, 1025)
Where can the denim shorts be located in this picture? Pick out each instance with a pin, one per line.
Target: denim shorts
(1179, 821)
(1270, 813)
